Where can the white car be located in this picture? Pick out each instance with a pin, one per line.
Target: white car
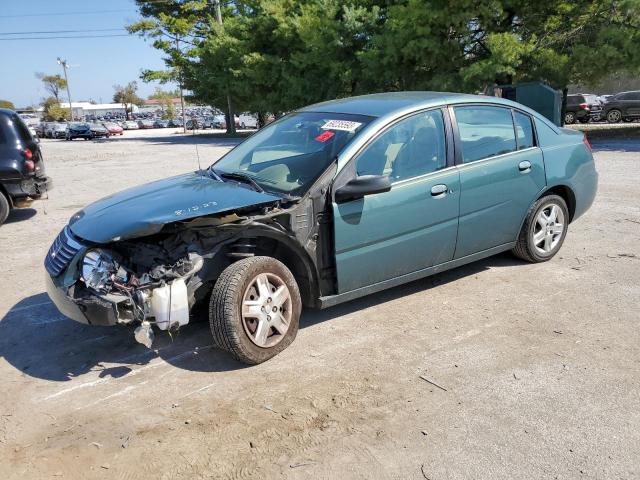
(248, 120)
(130, 125)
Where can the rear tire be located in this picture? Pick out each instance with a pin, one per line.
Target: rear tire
(614, 116)
(5, 208)
(544, 230)
(569, 118)
(258, 293)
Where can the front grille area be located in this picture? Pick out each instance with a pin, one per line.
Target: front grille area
(61, 253)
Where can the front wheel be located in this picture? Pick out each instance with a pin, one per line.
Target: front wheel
(544, 230)
(569, 118)
(254, 309)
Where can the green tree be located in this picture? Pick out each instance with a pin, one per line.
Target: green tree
(166, 97)
(53, 84)
(53, 112)
(127, 95)
(7, 104)
(277, 55)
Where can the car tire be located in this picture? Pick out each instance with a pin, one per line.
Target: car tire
(5, 208)
(614, 116)
(569, 118)
(544, 230)
(233, 305)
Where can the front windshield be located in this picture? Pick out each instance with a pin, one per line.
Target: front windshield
(290, 154)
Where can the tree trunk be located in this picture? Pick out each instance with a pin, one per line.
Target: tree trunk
(262, 119)
(230, 117)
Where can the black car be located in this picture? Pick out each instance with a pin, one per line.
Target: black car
(623, 106)
(582, 108)
(78, 130)
(22, 177)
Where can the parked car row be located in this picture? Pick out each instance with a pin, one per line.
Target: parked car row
(585, 108)
(107, 128)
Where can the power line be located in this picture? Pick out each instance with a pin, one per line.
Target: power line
(55, 38)
(65, 31)
(95, 12)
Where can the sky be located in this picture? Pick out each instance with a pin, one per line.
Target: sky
(95, 64)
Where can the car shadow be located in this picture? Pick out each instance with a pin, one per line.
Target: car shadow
(20, 214)
(631, 145)
(40, 342)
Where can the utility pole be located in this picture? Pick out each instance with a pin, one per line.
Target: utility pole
(231, 121)
(184, 124)
(63, 62)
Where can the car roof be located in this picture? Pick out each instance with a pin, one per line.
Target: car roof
(384, 104)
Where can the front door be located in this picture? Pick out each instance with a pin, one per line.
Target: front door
(501, 174)
(414, 225)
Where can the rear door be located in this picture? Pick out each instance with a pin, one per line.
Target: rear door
(501, 174)
(411, 227)
(633, 104)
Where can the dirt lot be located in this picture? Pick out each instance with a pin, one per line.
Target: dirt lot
(541, 363)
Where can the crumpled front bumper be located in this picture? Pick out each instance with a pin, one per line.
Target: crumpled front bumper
(94, 312)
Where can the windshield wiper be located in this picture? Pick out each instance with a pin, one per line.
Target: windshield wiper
(215, 174)
(244, 178)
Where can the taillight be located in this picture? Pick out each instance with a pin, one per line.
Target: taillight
(584, 106)
(585, 140)
(30, 165)
(28, 154)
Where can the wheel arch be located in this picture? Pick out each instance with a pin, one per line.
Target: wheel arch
(566, 193)
(265, 241)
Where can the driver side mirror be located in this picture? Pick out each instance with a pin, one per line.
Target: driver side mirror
(362, 186)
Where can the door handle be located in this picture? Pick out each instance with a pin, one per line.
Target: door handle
(439, 190)
(524, 166)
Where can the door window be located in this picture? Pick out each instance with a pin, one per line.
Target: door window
(485, 132)
(412, 147)
(524, 130)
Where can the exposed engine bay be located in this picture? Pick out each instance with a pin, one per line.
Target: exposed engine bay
(155, 280)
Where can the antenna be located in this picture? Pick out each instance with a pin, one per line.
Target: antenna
(198, 156)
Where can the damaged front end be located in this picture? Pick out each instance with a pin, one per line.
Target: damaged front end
(154, 280)
(122, 283)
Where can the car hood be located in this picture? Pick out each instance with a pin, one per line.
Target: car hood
(144, 210)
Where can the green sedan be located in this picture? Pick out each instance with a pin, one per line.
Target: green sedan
(332, 202)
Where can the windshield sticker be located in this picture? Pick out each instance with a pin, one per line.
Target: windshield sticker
(323, 137)
(344, 125)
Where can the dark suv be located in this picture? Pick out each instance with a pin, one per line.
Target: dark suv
(582, 108)
(623, 106)
(22, 177)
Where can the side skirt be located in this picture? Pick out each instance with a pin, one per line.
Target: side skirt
(332, 300)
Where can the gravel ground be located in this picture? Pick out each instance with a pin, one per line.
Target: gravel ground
(539, 364)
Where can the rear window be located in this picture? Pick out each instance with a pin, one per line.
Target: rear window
(22, 130)
(485, 132)
(524, 130)
(575, 99)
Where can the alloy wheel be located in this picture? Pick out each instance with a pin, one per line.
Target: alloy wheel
(614, 116)
(547, 231)
(266, 310)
